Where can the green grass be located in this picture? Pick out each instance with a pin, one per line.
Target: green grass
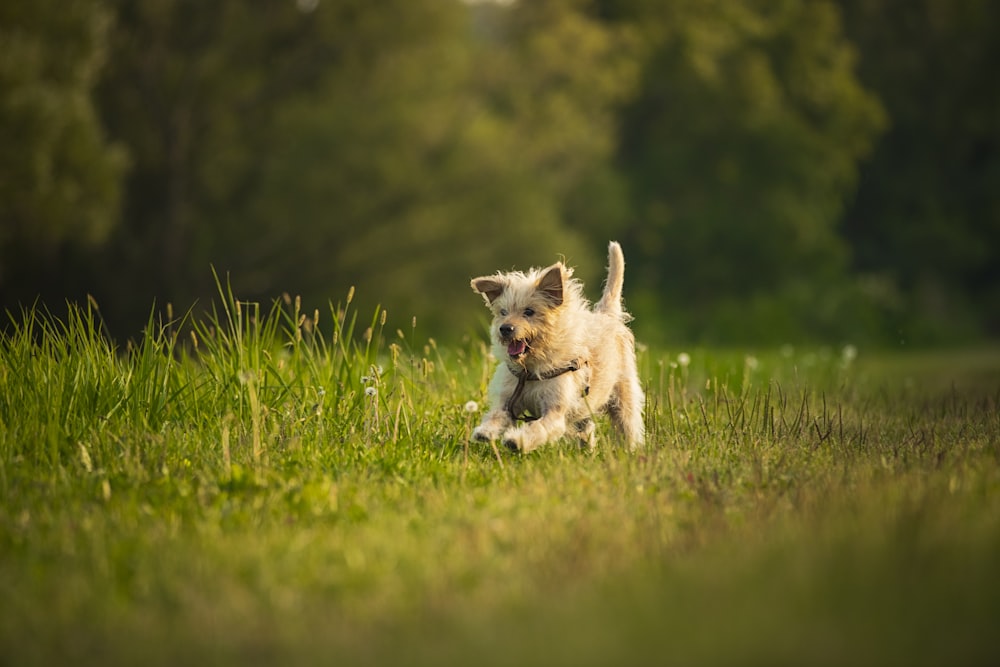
(274, 486)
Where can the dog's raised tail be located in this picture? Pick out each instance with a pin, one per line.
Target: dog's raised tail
(611, 300)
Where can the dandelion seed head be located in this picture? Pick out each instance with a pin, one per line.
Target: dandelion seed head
(371, 391)
(471, 406)
(849, 353)
(684, 359)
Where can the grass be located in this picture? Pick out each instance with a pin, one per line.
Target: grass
(268, 485)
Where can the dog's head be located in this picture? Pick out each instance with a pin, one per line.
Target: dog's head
(526, 308)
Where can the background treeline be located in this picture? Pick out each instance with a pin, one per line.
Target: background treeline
(777, 170)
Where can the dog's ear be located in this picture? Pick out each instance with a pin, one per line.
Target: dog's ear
(551, 284)
(491, 287)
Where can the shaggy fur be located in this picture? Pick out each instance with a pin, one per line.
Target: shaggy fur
(560, 361)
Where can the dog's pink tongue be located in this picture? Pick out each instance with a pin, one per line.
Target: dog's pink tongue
(516, 348)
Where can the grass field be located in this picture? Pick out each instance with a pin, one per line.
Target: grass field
(267, 486)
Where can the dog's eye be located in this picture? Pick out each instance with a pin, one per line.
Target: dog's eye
(529, 312)
(503, 312)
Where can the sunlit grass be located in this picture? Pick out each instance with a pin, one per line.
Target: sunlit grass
(277, 484)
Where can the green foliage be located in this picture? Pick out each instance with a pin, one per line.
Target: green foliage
(438, 158)
(192, 89)
(59, 176)
(396, 178)
(741, 149)
(775, 170)
(386, 161)
(273, 487)
(924, 218)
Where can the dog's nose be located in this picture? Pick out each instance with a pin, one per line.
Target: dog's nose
(506, 330)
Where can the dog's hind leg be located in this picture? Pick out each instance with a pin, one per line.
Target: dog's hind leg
(585, 430)
(627, 408)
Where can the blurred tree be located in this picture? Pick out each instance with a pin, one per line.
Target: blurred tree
(442, 157)
(310, 146)
(393, 177)
(926, 220)
(560, 73)
(192, 89)
(59, 176)
(740, 149)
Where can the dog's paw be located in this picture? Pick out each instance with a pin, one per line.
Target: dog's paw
(519, 439)
(512, 439)
(483, 434)
(586, 432)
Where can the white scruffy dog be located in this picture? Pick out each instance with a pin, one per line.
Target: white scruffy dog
(561, 361)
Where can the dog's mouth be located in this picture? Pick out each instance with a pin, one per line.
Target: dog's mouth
(517, 348)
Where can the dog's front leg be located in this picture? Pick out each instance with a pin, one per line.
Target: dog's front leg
(497, 419)
(495, 422)
(528, 436)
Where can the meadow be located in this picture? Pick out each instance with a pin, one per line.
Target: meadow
(269, 484)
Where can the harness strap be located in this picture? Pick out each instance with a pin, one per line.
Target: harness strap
(524, 376)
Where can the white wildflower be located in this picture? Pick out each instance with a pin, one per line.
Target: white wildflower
(684, 359)
(471, 406)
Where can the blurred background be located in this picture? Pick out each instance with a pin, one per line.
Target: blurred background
(777, 171)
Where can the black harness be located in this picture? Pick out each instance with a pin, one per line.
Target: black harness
(523, 376)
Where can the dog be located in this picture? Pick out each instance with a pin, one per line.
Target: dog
(560, 361)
